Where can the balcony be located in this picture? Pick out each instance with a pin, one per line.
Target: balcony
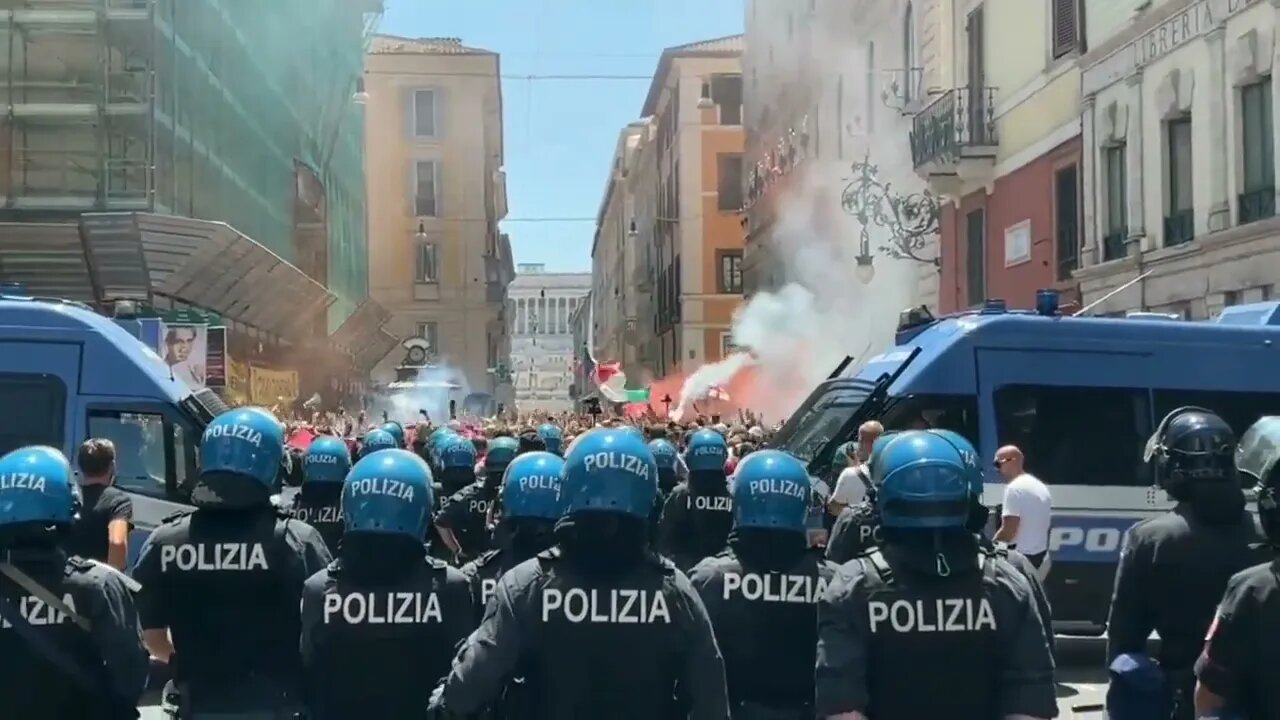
(1114, 246)
(1257, 205)
(903, 90)
(953, 139)
(1179, 227)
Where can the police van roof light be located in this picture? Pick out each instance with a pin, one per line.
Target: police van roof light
(13, 289)
(1047, 302)
(994, 306)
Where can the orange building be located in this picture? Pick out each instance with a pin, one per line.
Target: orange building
(689, 221)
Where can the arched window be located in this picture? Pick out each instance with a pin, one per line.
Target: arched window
(909, 59)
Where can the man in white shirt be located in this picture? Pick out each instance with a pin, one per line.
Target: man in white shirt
(1028, 508)
(851, 486)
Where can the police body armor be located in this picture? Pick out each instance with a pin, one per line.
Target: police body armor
(484, 572)
(322, 513)
(31, 685)
(574, 670)
(709, 508)
(383, 646)
(232, 591)
(935, 627)
(765, 680)
(468, 513)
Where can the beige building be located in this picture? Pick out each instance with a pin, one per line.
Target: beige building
(437, 191)
(615, 256)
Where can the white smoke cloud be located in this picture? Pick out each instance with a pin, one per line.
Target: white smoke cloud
(434, 387)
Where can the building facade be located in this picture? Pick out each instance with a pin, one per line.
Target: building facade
(540, 305)
(437, 191)
(829, 85)
(582, 386)
(690, 225)
(615, 256)
(1180, 137)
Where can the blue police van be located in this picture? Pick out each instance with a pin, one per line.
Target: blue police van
(68, 374)
(1079, 396)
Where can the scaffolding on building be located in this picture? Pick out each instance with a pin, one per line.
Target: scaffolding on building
(227, 110)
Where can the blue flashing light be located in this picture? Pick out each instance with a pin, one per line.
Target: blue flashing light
(1047, 302)
(13, 289)
(994, 306)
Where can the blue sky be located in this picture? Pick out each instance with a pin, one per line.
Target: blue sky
(560, 134)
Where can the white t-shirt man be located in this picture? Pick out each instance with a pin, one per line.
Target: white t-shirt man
(850, 487)
(1028, 499)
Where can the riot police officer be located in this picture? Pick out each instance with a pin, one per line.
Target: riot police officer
(666, 455)
(913, 628)
(324, 468)
(454, 458)
(224, 581)
(70, 645)
(697, 515)
(463, 520)
(376, 440)
(598, 619)
(395, 430)
(1174, 567)
(529, 508)
(384, 615)
(552, 437)
(767, 578)
(856, 529)
(1235, 670)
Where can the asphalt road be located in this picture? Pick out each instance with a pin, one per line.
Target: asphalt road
(1082, 683)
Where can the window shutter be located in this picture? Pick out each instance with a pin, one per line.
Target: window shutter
(1065, 27)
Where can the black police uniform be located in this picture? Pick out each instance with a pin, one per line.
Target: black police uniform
(766, 628)
(374, 650)
(111, 654)
(975, 635)
(466, 514)
(855, 532)
(227, 583)
(1171, 575)
(613, 648)
(696, 520)
(483, 573)
(1241, 660)
(320, 506)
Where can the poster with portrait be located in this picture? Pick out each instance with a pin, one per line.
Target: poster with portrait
(184, 348)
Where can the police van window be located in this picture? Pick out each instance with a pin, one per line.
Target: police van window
(1239, 409)
(1077, 435)
(183, 460)
(958, 413)
(140, 448)
(35, 410)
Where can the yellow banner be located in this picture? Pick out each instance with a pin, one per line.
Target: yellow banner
(238, 386)
(268, 387)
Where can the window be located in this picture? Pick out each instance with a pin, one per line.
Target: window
(727, 347)
(426, 192)
(729, 181)
(1116, 203)
(908, 52)
(840, 117)
(958, 413)
(870, 88)
(425, 266)
(1066, 220)
(726, 93)
(43, 401)
(1066, 27)
(1258, 201)
(1179, 222)
(1045, 423)
(1231, 297)
(976, 256)
(140, 448)
(424, 113)
(730, 278)
(429, 331)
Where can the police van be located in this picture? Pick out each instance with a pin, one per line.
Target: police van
(68, 374)
(1079, 396)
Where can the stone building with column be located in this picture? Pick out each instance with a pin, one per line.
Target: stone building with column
(540, 307)
(1179, 137)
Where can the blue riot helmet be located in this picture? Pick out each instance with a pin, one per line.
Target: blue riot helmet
(877, 450)
(664, 453)
(456, 452)
(707, 452)
(36, 486)
(502, 450)
(771, 489)
(327, 461)
(531, 487)
(633, 430)
(552, 437)
(377, 441)
(241, 455)
(1190, 445)
(389, 492)
(925, 482)
(396, 430)
(970, 456)
(610, 470)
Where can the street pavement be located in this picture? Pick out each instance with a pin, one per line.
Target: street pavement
(1082, 682)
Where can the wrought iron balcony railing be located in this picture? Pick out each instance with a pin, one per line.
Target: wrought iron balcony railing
(1179, 227)
(1256, 205)
(959, 118)
(1113, 246)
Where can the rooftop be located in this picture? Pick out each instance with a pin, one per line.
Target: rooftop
(396, 45)
(727, 46)
(550, 280)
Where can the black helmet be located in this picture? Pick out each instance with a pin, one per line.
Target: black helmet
(1258, 458)
(1191, 445)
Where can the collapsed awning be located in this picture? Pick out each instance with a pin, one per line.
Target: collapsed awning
(47, 259)
(361, 327)
(376, 348)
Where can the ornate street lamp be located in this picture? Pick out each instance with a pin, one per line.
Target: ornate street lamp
(912, 219)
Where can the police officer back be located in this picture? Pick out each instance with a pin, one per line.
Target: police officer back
(913, 629)
(224, 581)
(1173, 568)
(552, 437)
(317, 503)
(384, 616)
(697, 515)
(463, 521)
(601, 625)
(665, 454)
(1238, 674)
(375, 441)
(767, 578)
(455, 460)
(52, 665)
(856, 530)
(530, 506)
